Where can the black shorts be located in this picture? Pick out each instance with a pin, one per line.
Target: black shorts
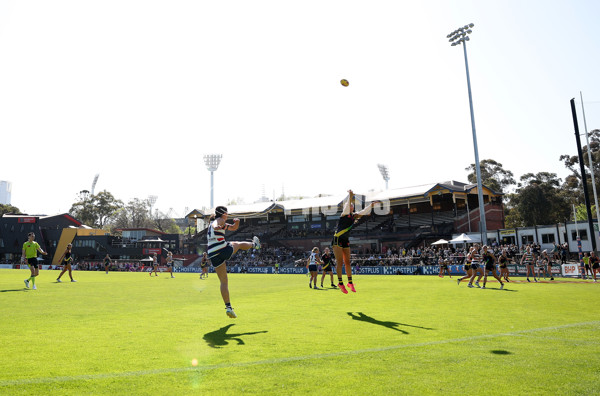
(341, 241)
(328, 269)
(444, 267)
(490, 266)
(503, 266)
(474, 266)
(596, 266)
(312, 268)
(65, 263)
(33, 261)
(587, 266)
(222, 256)
(467, 267)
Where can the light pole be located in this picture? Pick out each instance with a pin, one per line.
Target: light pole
(457, 37)
(151, 201)
(212, 162)
(587, 139)
(385, 173)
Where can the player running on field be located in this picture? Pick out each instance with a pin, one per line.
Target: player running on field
(444, 268)
(503, 260)
(489, 260)
(327, 266)
(467, 268)
(528, 258)
(66, 259)
(204, 266)
(170, 263)
(476, 266)
(341, 240)
(154, 264)
(219, 250)
(30, 251)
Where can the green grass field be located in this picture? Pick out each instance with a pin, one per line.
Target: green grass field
(127, 333)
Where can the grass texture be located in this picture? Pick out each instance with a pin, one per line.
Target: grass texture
(129, 333)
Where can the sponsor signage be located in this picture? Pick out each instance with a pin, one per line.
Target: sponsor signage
(151, 251)
(571, 270)
(26, 220)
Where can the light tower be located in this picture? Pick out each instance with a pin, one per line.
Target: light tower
(152, 200)
(212, 162)
(385, 173)
(457, 37)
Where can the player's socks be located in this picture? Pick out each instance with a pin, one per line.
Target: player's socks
(33, 280)
(228, 305)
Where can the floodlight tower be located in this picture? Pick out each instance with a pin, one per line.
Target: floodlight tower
(152, 200)
(385, 173)
(212, 162)
(457, 37)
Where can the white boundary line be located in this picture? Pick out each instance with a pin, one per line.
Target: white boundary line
(45, 380)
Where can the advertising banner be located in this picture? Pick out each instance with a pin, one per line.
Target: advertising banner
(571, 270)
(151, 251)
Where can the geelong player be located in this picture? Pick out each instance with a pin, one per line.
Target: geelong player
(475, 266)
(311, 264)
(66, 259)
(219, 250)
(170, 263)
(529, 259)
(154, 264)
(30, 250)
(341, 240)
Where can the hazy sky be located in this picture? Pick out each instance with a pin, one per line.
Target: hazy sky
(138, 91)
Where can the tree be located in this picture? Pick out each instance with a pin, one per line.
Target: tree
(537, 200)
(164, 223)
(493, 175)
(95, 210)
(4, 209)
(136, 214)
(573, 185)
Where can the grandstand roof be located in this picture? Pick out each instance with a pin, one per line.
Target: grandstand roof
(419, 193)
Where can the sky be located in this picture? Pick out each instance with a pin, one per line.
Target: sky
(139, 91)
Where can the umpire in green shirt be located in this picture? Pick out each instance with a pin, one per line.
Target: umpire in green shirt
(30, 251)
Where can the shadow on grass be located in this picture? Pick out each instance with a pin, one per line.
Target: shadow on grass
(219, 338)
(501, 352)
(390, 325)
(12, 290)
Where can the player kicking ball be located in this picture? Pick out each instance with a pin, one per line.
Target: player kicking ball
(219, 250)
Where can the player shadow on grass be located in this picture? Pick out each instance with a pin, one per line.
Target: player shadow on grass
(13, 290)
(218, 338)
(390, 325)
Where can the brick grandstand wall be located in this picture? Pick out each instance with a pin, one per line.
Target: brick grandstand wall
(494, 219)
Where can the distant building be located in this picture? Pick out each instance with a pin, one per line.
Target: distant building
(5, 189)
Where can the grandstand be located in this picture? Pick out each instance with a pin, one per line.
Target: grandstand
(407, 217)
